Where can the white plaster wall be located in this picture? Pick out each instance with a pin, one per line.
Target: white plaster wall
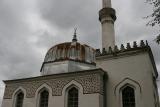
(77, 66)
(29, 102)
(137, 68)
(64, 67)
(85, 100)
(108, 33)
(89, 100)
(54, 68)
(7, 103)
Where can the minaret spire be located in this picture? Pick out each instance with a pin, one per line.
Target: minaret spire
(106, 3)
(107, 18)
(75, 35)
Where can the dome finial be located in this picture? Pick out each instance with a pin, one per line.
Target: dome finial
(75, 35)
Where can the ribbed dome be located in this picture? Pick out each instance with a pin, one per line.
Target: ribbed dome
(70, 51)
(68, 57)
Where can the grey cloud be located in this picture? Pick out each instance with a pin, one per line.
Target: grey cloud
(131, 26)
(17, 55)
(69, 14)
(15, 51)
(22, 58)
(73, 13)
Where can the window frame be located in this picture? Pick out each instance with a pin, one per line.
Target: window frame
(38, 98)
(15, 98)
(73, 96)
(121, 97)
(66, 94)
(132, 83)
(132, 93)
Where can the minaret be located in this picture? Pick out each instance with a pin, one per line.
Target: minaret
(107, 18)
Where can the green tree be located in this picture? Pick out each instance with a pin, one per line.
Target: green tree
(155, 16)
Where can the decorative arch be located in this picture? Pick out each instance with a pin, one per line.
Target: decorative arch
(128, 96)
(71, 86)
(72, 95)
(43, 91)
(18, 97)
(44, 96)
(128, 83)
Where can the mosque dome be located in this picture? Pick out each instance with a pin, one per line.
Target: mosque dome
(71, 51)
(68, 57)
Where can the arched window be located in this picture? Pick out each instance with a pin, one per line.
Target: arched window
(128, 97)
(19, 99)
(44, 95)
(73, 97)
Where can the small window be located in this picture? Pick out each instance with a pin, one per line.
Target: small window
(44, 98)
(73, 97)
(128, 97)
(19, 99)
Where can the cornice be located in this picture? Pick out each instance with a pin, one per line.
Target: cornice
(60, 75)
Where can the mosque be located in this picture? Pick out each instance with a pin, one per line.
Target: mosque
(77, 75)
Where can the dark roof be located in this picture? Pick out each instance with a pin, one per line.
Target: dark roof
(94, 71)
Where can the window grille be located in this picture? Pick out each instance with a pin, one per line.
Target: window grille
(128, 97)
(44, 98)
(73, 97)
(19, 100)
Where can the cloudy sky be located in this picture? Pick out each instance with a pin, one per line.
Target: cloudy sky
(28, 28)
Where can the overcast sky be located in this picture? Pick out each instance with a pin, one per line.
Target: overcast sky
(28, 28)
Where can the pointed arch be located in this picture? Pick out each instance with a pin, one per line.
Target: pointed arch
(129, 82)
(72, 89)
(72, 97)
(18, 97)
(128, 96)
(124, 87)
(72, 83)
(43, 95)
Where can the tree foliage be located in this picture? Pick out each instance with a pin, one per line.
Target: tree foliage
(155, 16)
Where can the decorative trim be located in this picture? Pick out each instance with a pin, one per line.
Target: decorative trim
(127, 81)
(16, 92)
(113, 53)
(90, 81)
(41, 89)
(117, 52)
(68, 87)
(107, 11)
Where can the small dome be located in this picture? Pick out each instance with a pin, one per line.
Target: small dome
(68, 57)
(71, 51)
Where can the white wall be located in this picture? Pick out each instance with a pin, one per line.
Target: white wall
(85, 100)
(138, 70)
(64, 67)
(88, 100)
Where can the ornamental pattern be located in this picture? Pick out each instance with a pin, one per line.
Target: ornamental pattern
(91, 83)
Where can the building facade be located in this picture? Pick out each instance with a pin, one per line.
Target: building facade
(130, 68)
(77, 75)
